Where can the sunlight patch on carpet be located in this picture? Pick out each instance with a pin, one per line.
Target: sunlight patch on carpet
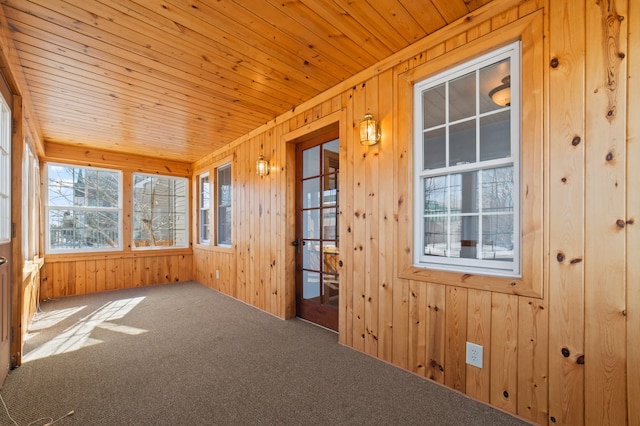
(44, 320)
(78, 336)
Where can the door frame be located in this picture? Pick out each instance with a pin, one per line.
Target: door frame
(7, 93)
(314, 311)
(291, 139)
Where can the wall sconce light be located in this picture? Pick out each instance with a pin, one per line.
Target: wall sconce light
(501, 95)
(369, 130)
(262, 166)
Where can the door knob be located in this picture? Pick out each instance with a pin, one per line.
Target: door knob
(3, 260)
(298, 243)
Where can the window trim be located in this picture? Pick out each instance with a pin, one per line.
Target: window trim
(212, 169)
(47, 231)
(529, 30)
(186, 213)
(512, 52)
(202, 240)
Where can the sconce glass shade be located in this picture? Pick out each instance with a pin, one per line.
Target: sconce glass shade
(262, 166)
(369, 131)
(501, 95)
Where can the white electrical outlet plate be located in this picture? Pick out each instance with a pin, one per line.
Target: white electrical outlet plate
(474, 354)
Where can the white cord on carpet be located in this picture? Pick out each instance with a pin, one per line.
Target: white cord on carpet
(49, 420)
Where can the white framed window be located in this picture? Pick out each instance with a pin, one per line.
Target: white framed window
(204, 208)
(160, 211)
(467, 167)
(30, 203)
(223, 205)
(83, 209)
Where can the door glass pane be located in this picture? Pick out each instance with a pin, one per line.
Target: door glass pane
(311, 224)
(5, 172)
(462, 143)
(311, 255)
(311, 193)
(310, 285)
(329, 224)
(330, 287)
(331, 156)
(5, 218)
(330, 190)
(462, 97)
(311, 162)
(330, 257)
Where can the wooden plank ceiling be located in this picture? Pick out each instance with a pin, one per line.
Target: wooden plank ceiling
(178, 79)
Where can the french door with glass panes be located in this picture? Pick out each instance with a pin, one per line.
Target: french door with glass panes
(317, 242)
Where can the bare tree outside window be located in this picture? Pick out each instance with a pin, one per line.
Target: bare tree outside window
(83, 208)
(159, 211)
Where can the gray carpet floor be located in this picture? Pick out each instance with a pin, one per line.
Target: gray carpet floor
(183, 354)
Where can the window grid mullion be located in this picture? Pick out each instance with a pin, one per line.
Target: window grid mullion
(448, 247)
(480, 215)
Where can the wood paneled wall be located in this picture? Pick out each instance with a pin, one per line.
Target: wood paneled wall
(90, 274)
(564, 354)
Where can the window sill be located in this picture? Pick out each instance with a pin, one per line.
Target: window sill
(475, 281)
(31, 267)
(129, 254)
(220, 249)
